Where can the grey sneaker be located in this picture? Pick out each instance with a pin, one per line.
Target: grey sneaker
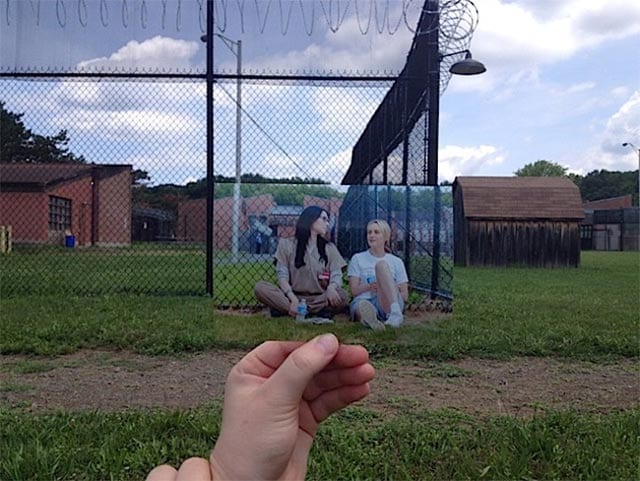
(369, 316)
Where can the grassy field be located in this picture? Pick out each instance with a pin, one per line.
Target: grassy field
(151, 269)
(588, 313)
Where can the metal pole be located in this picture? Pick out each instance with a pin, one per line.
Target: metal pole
(435, 265)
(236, 186)
(629, 144)
(433, 70)
(638, 176)
(210, 80)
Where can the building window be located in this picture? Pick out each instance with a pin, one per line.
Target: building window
(586, 231)
(59, 213)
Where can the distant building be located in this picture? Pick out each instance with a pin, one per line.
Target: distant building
(621, 202)
(528, 221)
(152, 225)
(282, 219)
(191, 224)
(257, 214)
(611, 224)
(45, 203)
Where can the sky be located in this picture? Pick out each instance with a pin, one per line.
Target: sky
(562, 83)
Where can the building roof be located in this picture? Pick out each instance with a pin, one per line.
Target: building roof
(150, 212)
(35, 176)
(287, 210)
(520, 198)
(621, 202)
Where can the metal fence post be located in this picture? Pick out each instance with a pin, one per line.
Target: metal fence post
(210, 81)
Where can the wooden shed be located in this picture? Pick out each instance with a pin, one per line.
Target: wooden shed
(519, 221)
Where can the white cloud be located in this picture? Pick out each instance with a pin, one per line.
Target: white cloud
(344, 111)
(623, 126)
(607, 151)
(154, 53)
(334, 168)
(348, 49)
(456, 160)
(580, 87)
(281, 165)
(517, 37)
(179, 165)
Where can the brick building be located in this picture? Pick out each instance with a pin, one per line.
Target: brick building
(191, 223)
(260, 209)
(45, 202)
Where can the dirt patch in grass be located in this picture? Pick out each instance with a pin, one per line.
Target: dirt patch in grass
(106, 380)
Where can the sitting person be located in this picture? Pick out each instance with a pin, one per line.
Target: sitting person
(308, 267)
(378, 281)
(274, 400)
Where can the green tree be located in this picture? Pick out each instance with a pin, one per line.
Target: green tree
(20, 144)
(542, 168)
(140, 177)
(602, 184)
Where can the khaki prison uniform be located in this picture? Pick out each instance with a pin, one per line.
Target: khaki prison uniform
(304, 281)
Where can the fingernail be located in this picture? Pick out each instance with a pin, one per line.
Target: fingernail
(327, 342)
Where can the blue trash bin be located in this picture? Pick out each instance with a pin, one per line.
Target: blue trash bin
(69, 241)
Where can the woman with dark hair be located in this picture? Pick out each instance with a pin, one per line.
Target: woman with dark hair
(308, 267)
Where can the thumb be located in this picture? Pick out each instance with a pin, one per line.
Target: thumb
(296, 372)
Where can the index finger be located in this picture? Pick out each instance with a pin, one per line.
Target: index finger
(270, 355)
(266, 358)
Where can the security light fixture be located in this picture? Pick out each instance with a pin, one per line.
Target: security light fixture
(467, 66)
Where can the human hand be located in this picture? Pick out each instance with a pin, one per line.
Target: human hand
(373, 287)
(333, 298)
(293, 308)
(275, 398)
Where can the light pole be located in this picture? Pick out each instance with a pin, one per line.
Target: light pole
(629, 144)
(236, 48)
(236, 186)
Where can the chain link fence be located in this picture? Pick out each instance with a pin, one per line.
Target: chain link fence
(104, 188)
(106, 226)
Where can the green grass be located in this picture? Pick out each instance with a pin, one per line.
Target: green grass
(587, 313)
(36, 270)
(356, 444)
(144, 268)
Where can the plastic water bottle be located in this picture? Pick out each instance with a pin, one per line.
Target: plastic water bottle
(302, 311)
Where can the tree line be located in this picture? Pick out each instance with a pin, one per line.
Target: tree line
(596, 185)
(19, 144)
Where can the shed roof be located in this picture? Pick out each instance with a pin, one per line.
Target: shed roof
(520, 198)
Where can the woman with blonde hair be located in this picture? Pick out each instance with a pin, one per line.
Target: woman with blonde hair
(378, 281)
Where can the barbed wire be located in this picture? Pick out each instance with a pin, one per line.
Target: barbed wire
(332, 12)
(457, 19)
